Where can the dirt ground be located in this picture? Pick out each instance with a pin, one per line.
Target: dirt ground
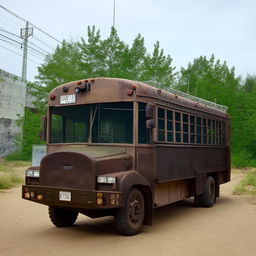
(229, 228)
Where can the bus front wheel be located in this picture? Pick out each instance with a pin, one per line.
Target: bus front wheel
(129, 219)
(61, 217)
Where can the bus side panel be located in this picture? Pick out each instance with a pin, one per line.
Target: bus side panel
(146, 163)
(177, 162)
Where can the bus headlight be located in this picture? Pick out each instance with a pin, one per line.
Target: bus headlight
(106, 179)
(32, 173)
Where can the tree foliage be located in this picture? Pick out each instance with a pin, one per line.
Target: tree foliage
(97, 57)
(215, 81)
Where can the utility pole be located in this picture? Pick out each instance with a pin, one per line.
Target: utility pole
(114, 13)
(24, 34)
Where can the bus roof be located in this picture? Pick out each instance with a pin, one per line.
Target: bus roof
(117, 89)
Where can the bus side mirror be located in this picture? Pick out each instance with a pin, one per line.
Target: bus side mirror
(149, 111)
(43, 128)
(150, 123)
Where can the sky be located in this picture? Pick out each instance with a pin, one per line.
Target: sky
(186, 29)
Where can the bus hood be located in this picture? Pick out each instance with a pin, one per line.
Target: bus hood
(91, 151)
(77, 167)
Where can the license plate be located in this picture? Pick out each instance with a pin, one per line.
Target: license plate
(68, 99)
(64, 196)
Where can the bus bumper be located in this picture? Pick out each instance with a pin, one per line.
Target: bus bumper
(72, 198)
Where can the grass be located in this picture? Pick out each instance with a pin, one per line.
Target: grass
(247, 185)
(9, 173)
(9, 180)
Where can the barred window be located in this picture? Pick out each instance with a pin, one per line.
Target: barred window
(185, 127)
(161, 124)
(192, 129)
(169, 126)
(178, 127)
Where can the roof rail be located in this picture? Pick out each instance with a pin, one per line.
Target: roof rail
(188, 96)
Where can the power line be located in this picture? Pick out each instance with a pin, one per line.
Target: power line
(17, 16)
(40, 40)
(14, 22)
(39, 47)
(37, 56)
(21, 43)
(10, 38)
(37, 51)
(8, 32)
(9, 42)
(18, 54)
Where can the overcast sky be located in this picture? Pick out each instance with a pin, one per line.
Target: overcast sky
(186, 29)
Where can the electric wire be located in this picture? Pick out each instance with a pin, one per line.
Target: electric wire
(38, 47)
(14, 42)
(10, 39)
(9, 42)
(18, 54)
(40, 40)
(43, 51)
(7, 18)
(19, 47)
(37, 56)
(8, 32)
(33, 49)
(17, 16)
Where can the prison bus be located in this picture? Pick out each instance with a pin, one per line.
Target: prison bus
(122, 148)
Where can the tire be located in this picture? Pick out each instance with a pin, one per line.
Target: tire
(61, 217)
(208, 198)
(129, 219)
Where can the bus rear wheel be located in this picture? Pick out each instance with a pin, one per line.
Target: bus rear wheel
(129, 219)
(61, 217)
(208, 198)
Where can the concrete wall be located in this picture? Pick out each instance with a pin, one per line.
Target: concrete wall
(12, 105)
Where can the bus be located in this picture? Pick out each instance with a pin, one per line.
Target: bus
(121, 148)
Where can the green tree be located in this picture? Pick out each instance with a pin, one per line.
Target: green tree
(93, 57)
(96, 57)
(250, 84)
(158, 68)
(61, 67)
(215, 81)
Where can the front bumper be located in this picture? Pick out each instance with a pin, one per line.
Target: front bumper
(79, 199)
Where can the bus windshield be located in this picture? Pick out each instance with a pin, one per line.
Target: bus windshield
(95, 123)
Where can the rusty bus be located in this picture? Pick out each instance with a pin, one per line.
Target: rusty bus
(122, 148)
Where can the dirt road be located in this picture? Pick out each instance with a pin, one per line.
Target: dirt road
(229, 228)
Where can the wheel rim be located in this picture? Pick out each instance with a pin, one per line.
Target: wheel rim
(135, 211)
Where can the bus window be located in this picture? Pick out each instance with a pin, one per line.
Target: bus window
(185, 127)
(169, 126)
(70, 124)
(143, 133)
(113, 123)
(177, 127)
(161, 124)
(204, 131)
(198, 130)
(192, 129)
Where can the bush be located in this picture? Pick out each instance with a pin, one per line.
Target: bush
(242, 159)
(9, 180)
(247, 185)
(8, 176)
